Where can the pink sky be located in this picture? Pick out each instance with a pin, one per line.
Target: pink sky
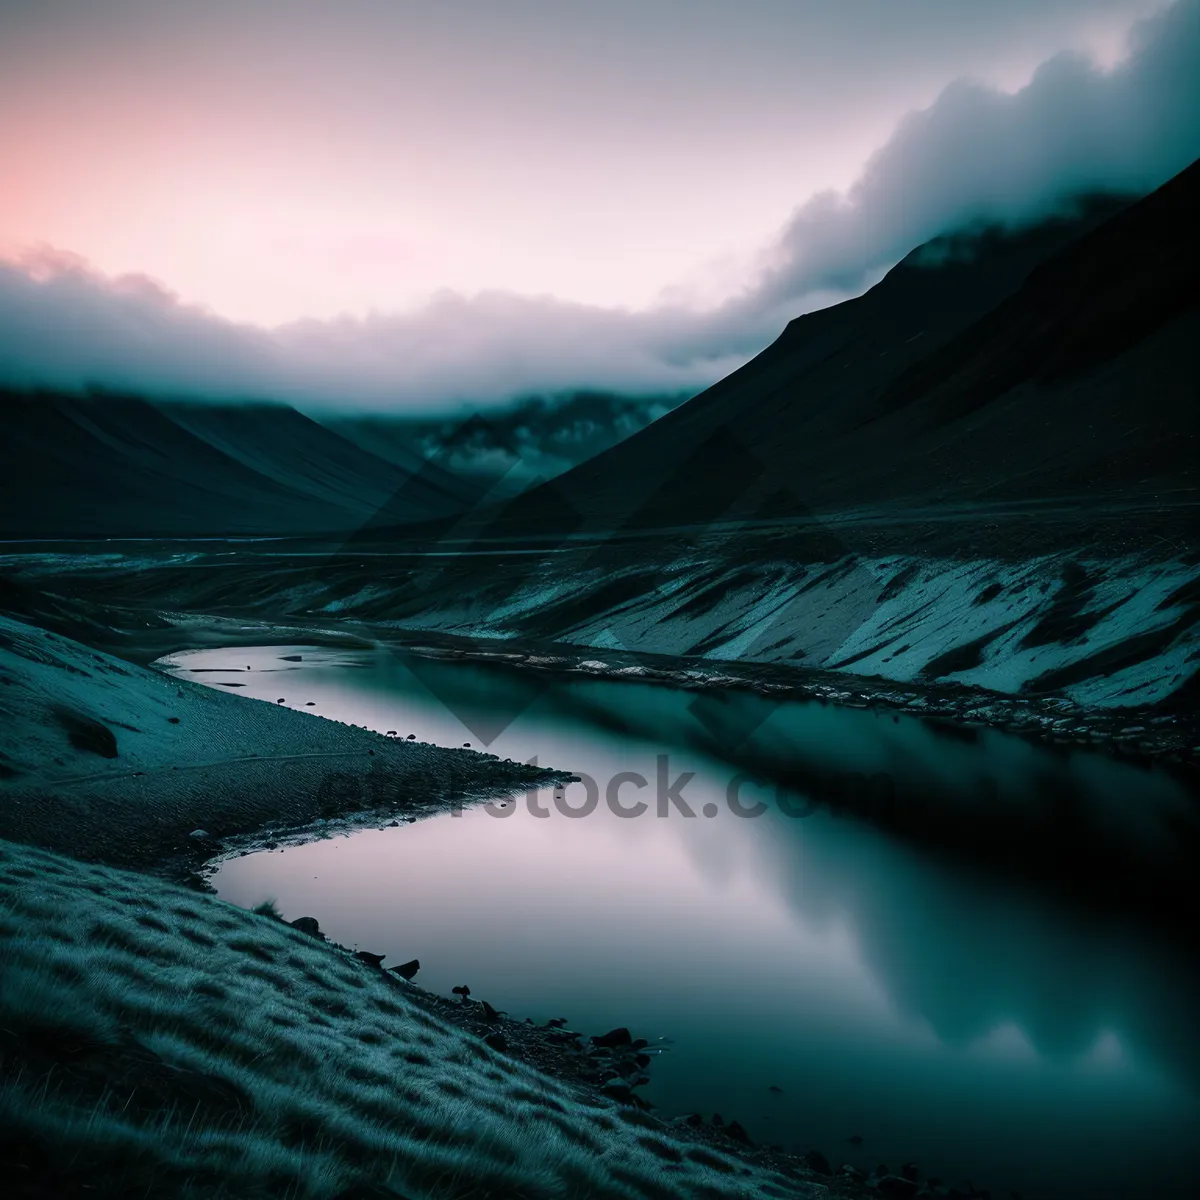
(275, 161)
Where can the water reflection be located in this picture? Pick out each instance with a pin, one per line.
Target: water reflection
(960, 1018)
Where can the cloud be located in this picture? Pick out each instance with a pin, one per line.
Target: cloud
(64, 326)
(982, 155)
(976, 155)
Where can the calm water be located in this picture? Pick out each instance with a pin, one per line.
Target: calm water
(983, 1027)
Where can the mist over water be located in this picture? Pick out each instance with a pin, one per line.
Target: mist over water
(969, 1019)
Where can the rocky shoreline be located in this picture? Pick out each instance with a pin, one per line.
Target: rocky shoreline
(1139, 734)
(108, 761)
(1170, 736)
(614, 1064)
(158, 1042)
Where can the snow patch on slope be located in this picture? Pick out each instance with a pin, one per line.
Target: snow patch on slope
(1104, 632)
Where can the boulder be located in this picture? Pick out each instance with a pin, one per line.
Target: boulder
(613, 1038)
(735, 1130)
(816, 1161)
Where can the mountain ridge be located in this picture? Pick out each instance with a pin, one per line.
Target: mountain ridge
(115, 466)
(830, 409)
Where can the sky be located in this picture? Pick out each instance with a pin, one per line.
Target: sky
(395, 205)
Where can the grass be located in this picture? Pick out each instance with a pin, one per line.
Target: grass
(158, 1042)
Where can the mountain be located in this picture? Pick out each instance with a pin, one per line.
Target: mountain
(1012, 367)
(123, 467)
(980, 473)
(506, 450)
(977, 475)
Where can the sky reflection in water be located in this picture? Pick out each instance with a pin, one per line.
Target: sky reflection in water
(973, 1025)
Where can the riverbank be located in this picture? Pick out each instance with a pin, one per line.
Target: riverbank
(108, 761)
(163, 607)
(1094, 648)
(1094, 859)
(156, 1041)
(1167, 734)
(1145, 733)
(614, 1064)
(125, 996)
(549, 1051)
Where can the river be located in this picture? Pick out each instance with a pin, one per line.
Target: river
(804, 969)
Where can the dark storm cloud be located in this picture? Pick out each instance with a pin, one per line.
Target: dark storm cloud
(975, 155)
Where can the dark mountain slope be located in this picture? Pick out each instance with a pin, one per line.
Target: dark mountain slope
(1016, 367)
(384, 436)
(1089, 304)
(114, 466)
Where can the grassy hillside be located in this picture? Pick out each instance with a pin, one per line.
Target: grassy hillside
(158, 1042)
